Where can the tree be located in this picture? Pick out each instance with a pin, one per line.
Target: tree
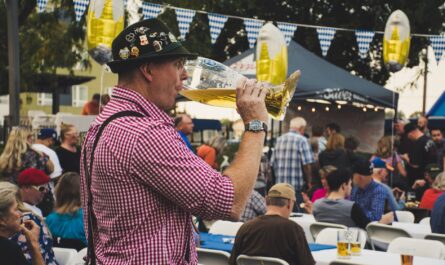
(48, 41)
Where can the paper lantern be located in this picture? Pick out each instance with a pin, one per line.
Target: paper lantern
(271, 55)
(105, 21)
(396, 41)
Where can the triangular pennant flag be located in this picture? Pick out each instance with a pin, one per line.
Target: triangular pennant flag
(364, 38)
(288, 30)
(253, 27)
(79, 8)
(325, 36)
(216, 23)
(41, 5)
(438, 43)
(150, 10)
(184, 17)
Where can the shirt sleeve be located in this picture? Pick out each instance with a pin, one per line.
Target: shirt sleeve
(166, 165)
(307, 156)
(358, 216)
(377, 204)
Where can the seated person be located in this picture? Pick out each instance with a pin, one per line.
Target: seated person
(370, 195)
(430, 196)
(421, 185)
(66, 222)
(256, 206)
(337, 209)
(380, 175)
(322, 192)
(273, 234)
(437, 220)
(10, 252)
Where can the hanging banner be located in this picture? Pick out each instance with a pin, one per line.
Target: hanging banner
(41, 5)
(184, 17)
(79, 8)
(364, 38)
(150, 10)
(253, 27)
(216, 24)
(105, 20)
(271, 55)
(438, 43)
(325, 36)
(288, 30)
(396, 41)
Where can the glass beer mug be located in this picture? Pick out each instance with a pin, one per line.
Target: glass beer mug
(214, 83)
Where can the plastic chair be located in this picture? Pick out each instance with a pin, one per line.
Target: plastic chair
(80, 255)
(65, 256)
(316, 227)
(405, 216)
(328, 236)
(425, 221)
(257, 260)
(381, 235)
(417, 247)
(434, 236)
(225, 228)
(212, 257)
(340, 262)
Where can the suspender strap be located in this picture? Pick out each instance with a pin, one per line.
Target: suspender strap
(91, 256)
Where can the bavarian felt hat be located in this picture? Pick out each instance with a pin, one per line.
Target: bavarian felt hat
(143, 41)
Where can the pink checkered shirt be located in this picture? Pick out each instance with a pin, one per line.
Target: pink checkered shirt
(146, 184)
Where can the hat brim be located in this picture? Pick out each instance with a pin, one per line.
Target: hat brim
(123, 65)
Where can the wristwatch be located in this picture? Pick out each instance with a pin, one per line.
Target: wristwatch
(255, 126)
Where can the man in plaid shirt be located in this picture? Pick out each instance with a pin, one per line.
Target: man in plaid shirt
(292, 154)
(145, 182)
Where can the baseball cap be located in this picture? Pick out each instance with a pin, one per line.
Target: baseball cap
(32, 176)
(409, 127)
(282, 190)
(47, 133)
(377, 162)
(433, 170)
(362, 166)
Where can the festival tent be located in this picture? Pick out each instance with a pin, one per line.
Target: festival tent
(438, 109)
(322, 80)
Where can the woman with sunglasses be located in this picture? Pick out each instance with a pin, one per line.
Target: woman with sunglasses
(10, 225)
(18, 155)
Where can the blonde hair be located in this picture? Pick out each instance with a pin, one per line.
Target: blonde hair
(8, 194)
(67, 193)
(384, 147)
(218, 142)
(64, 128)
(324, 171)
(439, 182)
(335, 141)
(15, 147)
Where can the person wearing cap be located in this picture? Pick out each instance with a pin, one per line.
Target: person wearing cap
(421, 152)
(335, 208)
(380, 175)
(273, 234)
(145, 183)
(430, 196)
(421, 185)
(370, 195)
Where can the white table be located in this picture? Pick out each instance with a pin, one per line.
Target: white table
(305, 222)
(415, 230)
(370, 257)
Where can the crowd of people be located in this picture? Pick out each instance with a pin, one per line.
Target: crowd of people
(131, 193)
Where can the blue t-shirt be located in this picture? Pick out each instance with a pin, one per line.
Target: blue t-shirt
(68, 226)
(438, 216)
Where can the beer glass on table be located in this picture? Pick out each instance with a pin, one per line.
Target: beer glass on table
(214, 83)
(356, 247)
(343, 244)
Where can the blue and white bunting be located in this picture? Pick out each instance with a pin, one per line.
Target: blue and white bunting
(79, 8)
(438, 43)
(325, 36)
(288, 30)
(364, 38)
(253, 27)
(150, 10)
(216, 24)
(41, 5)
(184, 17)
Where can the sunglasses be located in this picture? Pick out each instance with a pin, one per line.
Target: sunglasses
(41, 188)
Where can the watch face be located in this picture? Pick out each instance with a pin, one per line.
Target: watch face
(256, 126)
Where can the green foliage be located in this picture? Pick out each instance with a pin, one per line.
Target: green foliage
(48, 41)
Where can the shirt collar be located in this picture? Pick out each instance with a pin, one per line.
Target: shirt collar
(136, 99)
(369, 187)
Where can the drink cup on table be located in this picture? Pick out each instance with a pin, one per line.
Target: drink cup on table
(356, 247)
(343, 244)
(406, 259)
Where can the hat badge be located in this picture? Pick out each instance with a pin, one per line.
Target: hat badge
(143, 39)
(172, 37)
(124, 53)
(135, 51)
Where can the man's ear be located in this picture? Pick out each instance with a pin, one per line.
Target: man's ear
(145, 70)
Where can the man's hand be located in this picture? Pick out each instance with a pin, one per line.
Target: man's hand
(250, 97)
(387, 218)
(418, 183)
